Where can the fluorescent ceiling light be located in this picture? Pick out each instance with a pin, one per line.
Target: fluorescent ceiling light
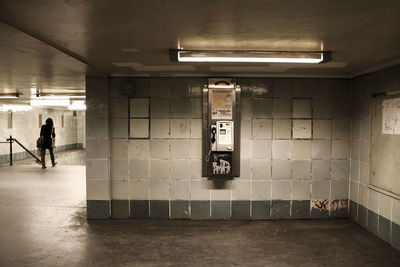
(60, 97)
(77, 105)
(9, 95)
(64, 103)
(50, 102)
(250, 56)
(16, 108)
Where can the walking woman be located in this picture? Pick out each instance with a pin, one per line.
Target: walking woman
(48, 134)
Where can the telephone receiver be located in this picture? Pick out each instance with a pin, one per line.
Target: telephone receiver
(213, 134)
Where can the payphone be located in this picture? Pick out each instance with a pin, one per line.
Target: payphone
(222, 137)
(221, 149)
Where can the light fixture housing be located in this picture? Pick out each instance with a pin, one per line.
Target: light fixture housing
(10, 95)
(250, 56)
(56, 100)
(60, 95)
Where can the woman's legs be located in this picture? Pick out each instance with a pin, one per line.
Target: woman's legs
(43, 158)
(53, 161)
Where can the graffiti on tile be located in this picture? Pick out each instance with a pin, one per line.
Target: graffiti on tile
(320, 204)
(221, 164)
(338, 204)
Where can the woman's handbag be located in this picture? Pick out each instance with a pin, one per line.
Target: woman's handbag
(39, 142)
(39, 151)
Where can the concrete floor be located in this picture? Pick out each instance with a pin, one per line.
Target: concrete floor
(43, 223)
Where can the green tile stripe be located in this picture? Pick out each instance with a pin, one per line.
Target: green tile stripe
(223, 210)
(381, 227)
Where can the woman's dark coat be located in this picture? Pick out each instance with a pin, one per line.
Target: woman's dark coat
(48, 133)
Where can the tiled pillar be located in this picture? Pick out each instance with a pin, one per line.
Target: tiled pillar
(119, 163)
(98, 148)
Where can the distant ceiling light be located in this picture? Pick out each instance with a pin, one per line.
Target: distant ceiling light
(251, 56)
(57, 97)
(50, 102)
(77, 105)
(16, 108)
(9, 95)
(60, 96)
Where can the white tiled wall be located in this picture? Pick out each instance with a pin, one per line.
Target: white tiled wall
(376, 201)
(376, 210)
(295, 140)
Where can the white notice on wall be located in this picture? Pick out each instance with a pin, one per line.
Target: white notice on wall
(222, 105)
(391, 116)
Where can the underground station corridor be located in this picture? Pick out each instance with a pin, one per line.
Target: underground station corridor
(199, 133)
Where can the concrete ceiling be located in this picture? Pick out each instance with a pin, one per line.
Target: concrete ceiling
(52, 45)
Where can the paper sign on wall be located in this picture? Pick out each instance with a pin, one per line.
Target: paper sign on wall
(222, 105)
(391, 116)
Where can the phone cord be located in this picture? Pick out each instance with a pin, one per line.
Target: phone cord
(208, 156)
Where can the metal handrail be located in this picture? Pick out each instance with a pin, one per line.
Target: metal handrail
(10, 141)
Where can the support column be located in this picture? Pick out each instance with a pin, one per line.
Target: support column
(97, 149)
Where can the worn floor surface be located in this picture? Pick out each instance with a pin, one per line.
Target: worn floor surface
(42, 223)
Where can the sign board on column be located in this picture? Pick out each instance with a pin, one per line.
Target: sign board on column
(391, 116)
